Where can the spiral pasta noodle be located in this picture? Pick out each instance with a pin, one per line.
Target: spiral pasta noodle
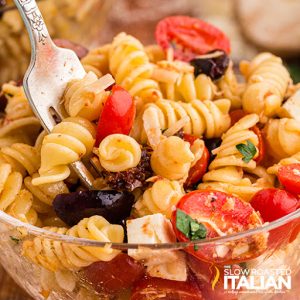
(55, 255)
(68, 142)
(226, 170)
(130, 66)
(177, 82)
(44, 194)
(24, 130)
(160, 198)
(230, 88)
(97, 60)
(208, 118)
(14, 200)
(22, 158)
(85, 97)
(283, 137)
(172, 158)
(17, 104)
(119, 152)
(267, 82)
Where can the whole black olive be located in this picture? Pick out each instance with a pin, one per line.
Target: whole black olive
(214, 64)
(114, 206)
(212, 144)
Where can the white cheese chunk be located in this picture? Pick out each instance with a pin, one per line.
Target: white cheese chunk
(175, 270)
(151, 229)
(291, 107)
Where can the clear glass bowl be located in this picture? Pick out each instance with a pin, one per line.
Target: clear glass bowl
(280, 245)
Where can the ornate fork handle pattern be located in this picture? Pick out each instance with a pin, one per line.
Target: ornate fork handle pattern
(35, 23)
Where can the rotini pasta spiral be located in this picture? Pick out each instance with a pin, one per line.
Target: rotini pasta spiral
(207, 118)
(85, 97)
(55, 255)
(97, 60)
(130, 66)
(24, 130)
(119, 152)
(22, 158)
(267, 82)
(68, 142)
(177, 82)
(283, 137)
(235, 180)
(13, 199)
(17, 104)
(230, 88)
(160, 198)
(227, 153)
(44, 194)
(227, 171)
(172, 158)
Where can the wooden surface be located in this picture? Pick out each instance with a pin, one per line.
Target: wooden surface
(9, 290)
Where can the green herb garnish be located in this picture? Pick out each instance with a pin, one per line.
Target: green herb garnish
(196, 248)
(14, 239)
(191, 228)
(247, 150)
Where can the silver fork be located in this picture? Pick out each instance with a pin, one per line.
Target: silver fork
(50, 69)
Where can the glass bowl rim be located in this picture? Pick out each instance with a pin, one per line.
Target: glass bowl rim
(24, 229)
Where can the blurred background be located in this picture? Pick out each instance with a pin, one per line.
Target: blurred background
(252, 26)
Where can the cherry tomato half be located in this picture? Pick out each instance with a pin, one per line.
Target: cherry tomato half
(235, 116)
(115, 275)
(117, 115)
(221, 214)
(163, 289)
(199, 169)
(289, 176)
(189, 37)
(273, 204)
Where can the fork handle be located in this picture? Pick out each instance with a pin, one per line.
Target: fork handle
(41, 42)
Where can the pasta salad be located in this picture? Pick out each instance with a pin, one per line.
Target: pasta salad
(181, 151)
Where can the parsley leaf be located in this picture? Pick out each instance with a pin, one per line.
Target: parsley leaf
(189, 227)
(196, 247)
(247, 150)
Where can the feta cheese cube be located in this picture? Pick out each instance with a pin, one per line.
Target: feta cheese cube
(151, 229)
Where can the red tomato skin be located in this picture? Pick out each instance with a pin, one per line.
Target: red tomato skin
(199, 169)
(170, 289)
(240, 218)
(273, 204)
(288, 177)
(236, 115)
(114, 276)
(117, 115)
(194, 36)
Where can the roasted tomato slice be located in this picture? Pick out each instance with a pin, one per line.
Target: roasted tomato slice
(289, 176)
(117, 115)
(235, 116)
(115, 275)
(199, 169)
(221, 214)
(157, 288)
(189, 37)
